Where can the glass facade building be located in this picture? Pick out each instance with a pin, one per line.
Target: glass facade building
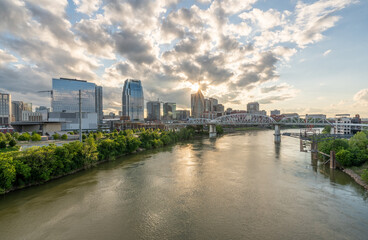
(197, 104)
(169, 111)
(133, 100)
(66, 95)
(153, 111)
(99, 104)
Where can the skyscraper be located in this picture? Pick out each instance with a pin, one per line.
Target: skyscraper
(169, 111)
(5, 109)
(153, 111)
(18, 107)
(133, 100)
(253, 107)
(197, 104)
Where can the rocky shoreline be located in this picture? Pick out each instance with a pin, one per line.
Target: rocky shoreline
(356, 177)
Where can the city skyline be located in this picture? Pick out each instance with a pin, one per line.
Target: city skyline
(293, 56)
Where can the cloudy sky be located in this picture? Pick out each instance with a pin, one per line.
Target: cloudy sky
(298, 56)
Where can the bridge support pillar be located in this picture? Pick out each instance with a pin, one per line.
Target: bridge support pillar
(212, 130)
(332, 160)
(277, 134)
(314, 150)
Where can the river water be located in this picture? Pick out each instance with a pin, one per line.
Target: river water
(238, 186)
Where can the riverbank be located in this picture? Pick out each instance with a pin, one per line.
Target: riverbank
(38, 165)
(356, 178)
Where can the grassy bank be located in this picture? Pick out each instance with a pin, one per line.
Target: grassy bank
(37, 165)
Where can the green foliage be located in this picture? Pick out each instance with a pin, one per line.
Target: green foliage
(36, 137)
(40, 164)
(24, 137)
(344, 157)
(2, 144)
(326, 130)
(365, 175)
(56, 136)
(359, 141)
(16, 135)
(8, 136)
(219, 129)
(2, 136)
(84, 136)
(12, 143)
(64, 137)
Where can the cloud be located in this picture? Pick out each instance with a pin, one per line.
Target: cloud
(361, 96)
(167, 46)
(327, 52)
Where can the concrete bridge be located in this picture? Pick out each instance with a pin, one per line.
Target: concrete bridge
(250, 119)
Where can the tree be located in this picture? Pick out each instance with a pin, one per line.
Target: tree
(36, 137)
(344, 157)
(2, 144)
(12, 143)
(326, 130)
(64, 137)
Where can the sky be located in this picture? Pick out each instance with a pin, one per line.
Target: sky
(297, 56)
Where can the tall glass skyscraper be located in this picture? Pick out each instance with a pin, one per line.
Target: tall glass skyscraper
(133, 100)
(5, 109)
(169, 111)
(197, 103)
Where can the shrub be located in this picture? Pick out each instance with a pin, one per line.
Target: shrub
(12, 143)
(2, 144)
(56, 136)
(36, 137)
(64, 137)
(24, 137)
(16, 135)
(219, 129)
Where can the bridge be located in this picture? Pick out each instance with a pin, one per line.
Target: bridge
(250, 119)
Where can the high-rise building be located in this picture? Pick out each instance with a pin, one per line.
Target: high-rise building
(5, 109)
(169, 111)
(207, 105)
(253, 107)
(214, 102)
(99, 104)
(219, 108)
(133, 100)
(153, 111)
(18, 107)
(197, 104)
(66, 95)
(182, 115)
(275, 112)
(65, 103)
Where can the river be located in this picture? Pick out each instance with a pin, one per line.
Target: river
(238, 186)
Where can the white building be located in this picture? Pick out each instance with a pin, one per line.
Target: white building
(343, 129)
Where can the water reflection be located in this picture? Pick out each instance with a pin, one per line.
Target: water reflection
(239, 186)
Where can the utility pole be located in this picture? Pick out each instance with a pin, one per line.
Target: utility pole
(80, 115)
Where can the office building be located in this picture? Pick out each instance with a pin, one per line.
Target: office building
(44, 112)
(169, 111)
(28, 116)
(65, 103)
(182, 115)
(213, 102)
(207, 105)
(275, 112)
(133, 100)
(197, 104)
(18, 107)
(341, 128)
(153, 111)
(5, 110)
(99, 104)
(253, 107)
